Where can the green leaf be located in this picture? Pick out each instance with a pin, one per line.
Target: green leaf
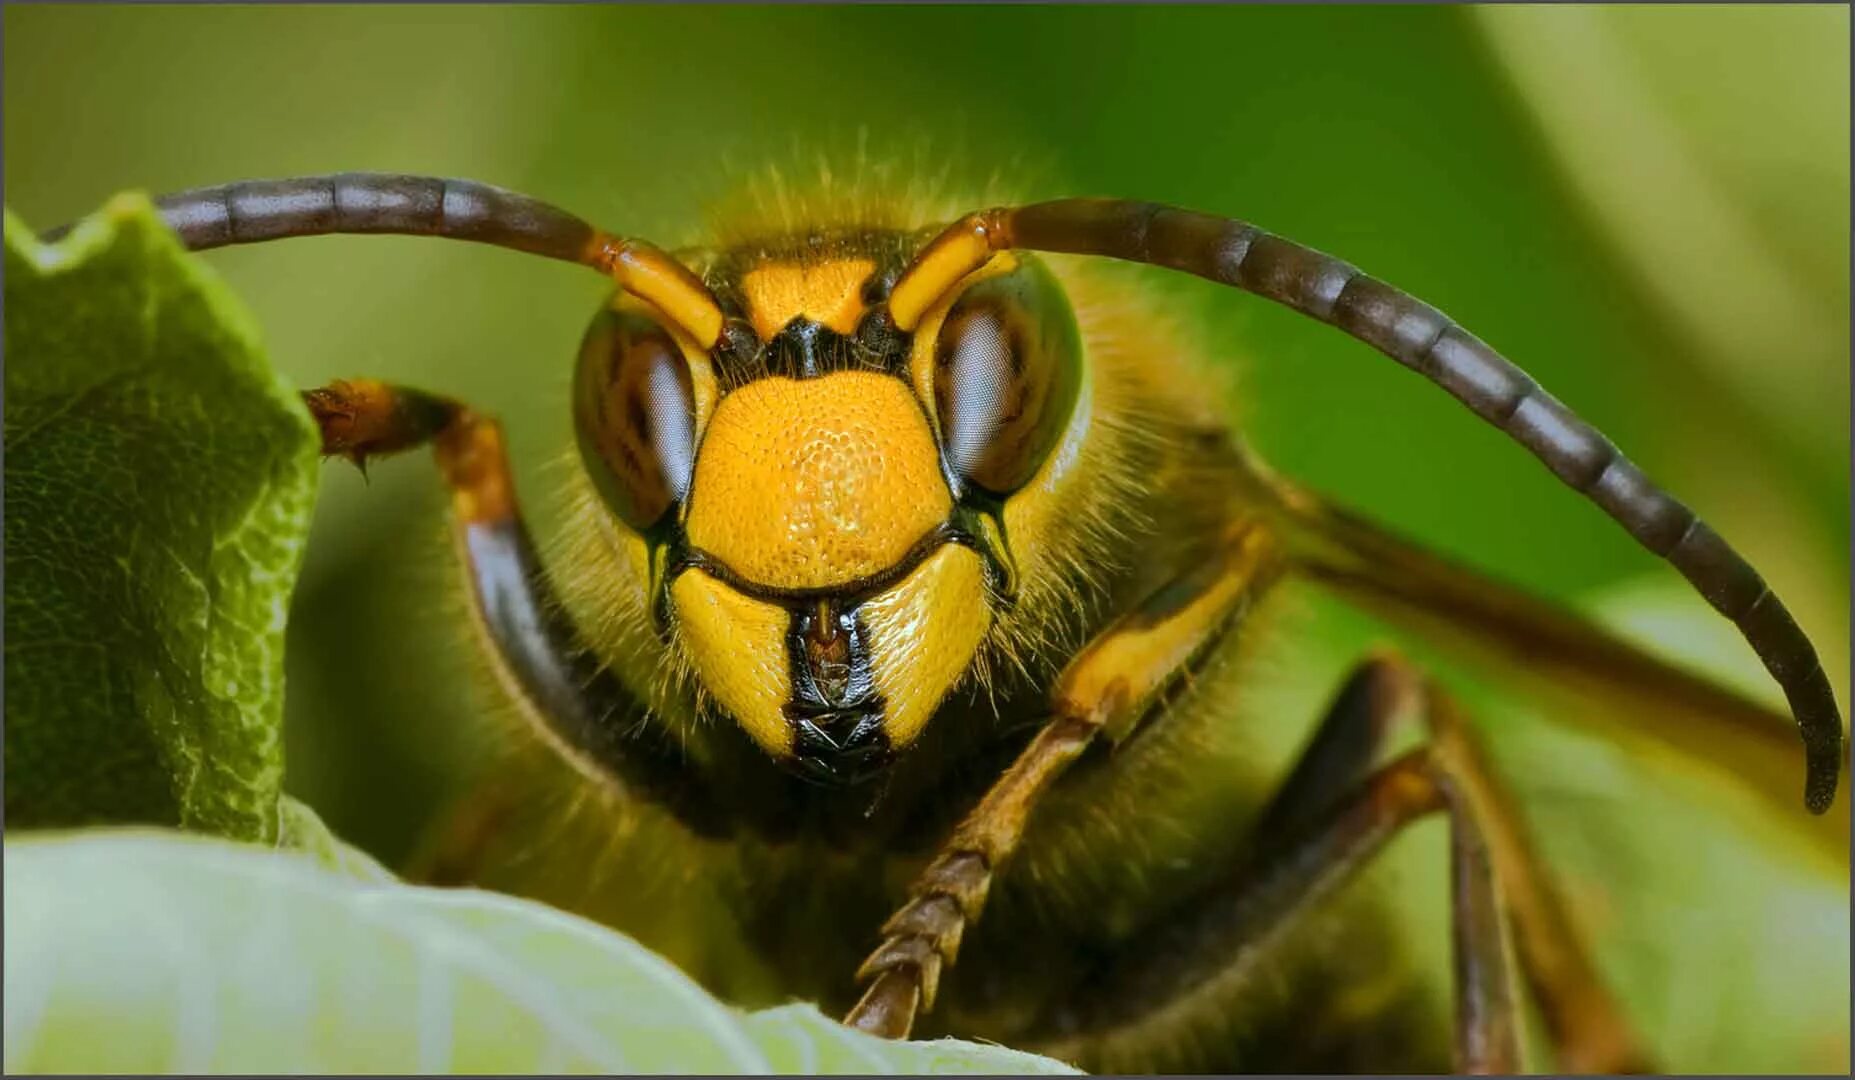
(159, 478)
(150, 951)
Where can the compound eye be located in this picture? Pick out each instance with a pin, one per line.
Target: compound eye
(1007, 370)
(635, 415)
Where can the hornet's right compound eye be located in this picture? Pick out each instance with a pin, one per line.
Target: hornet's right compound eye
(1007, 370)
(635, 416)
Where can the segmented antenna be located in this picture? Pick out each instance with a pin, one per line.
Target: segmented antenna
(1423, 339)
(253, 211)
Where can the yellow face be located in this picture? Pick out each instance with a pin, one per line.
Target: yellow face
(822, 496)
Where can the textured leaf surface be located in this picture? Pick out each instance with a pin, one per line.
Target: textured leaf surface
(159, 478)
(149, 951)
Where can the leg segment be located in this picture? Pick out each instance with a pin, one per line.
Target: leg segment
(1487, 1038)
(1586, 1025)
(575, 700)
(1381, 692)
(1348, 742)
(1324, 824)
(1584, 1021)
(1104, 691)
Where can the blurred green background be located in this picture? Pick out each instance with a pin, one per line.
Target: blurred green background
(1647, 208)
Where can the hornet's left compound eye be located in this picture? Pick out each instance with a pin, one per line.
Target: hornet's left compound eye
(1007, 371)
(634, 413)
